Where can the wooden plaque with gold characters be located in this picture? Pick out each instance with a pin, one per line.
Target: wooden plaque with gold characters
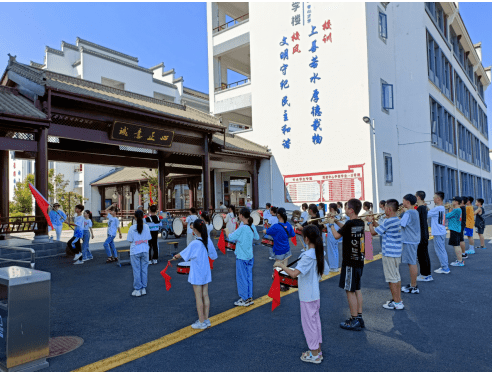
(124, 131)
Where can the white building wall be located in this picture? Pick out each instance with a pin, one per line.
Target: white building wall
(343, 93)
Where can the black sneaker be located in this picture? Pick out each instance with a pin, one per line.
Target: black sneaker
(284, 288)
(464, 256)
(351, 324)
(362, 323)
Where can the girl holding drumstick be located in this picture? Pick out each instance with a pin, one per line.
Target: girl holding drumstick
(309, 269)
(198, 252)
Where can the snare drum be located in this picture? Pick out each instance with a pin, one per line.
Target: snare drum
(230, 245)
(285, 279)
(218, 222)
(256, 217)
(183, 268)
(268, 242)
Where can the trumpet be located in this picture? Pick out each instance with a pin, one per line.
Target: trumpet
(376, 216)
(326, 220)
(448, 206)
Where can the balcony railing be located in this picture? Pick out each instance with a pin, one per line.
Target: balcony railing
(225, 86)
(231, 23)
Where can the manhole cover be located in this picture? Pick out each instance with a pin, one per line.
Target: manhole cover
(63, 344)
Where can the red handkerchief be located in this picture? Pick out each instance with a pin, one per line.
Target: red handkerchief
(275, 291)
(211, 263)
(293, 240)
(222, 242)
(166, 277)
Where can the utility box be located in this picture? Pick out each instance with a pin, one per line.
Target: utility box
(24, 319)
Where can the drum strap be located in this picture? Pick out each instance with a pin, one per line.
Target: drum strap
(284, 229)
(290, 264)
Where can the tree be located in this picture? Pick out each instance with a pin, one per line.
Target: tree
(23, 199)
(152, 178)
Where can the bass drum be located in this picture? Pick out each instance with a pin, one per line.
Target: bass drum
(178, 227)
(256, 217)
(218, 222)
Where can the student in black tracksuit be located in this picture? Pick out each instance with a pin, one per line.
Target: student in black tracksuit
(422, 248)
(153, 222)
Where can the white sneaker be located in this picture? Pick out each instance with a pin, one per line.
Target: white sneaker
(78, 262)
(334, 270)
(199, 325)
(149, 262)
(207, 322)
(271, 258)
(77, 256)
(424, 278)
(136, 293)
(442, 270)
(155, 261)
(391, 305)
(143, 292)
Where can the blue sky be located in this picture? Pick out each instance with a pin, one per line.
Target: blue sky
(175, 33)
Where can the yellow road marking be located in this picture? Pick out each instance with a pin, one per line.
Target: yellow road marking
(173, 338)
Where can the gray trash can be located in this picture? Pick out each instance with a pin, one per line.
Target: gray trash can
(24, 319)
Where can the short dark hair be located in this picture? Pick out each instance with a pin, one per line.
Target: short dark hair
(393, 203)
(440, 194)
(410, 198)
(192, 210)
(334, 206)
(470, 199)
(153, 208)
(480, 200)
(273, 209)
(367, 205)
(420, 194)
(314, 208)
(268, 205)
(305, 206)
(458, 199)
(383, 202)
(339, 204)
(464, 199)
(355, 205)
(80, 206)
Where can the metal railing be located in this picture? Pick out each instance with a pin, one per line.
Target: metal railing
(16, 224)
(226, 86)
(231, 23)
(16, 248)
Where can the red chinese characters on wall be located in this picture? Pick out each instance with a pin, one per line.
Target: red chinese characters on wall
(325, 187)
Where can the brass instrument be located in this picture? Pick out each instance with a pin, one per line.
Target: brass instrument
(376, 216)
(327, 220)
(448, 206)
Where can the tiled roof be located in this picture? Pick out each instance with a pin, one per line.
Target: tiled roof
(238, 143)
(13, 103)
(198, 94)
(133, 175)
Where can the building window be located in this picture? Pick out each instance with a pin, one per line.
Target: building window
(487, 191)
(387, 96)
(112, 83)
(78, 168)
(382, 25)
(388, 169)
(78, 184)
(446, 179)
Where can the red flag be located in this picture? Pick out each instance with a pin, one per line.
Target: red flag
(166, 277)
(293, 240)
(211, 263)
(222, 242)
(275, 291)
(42, 203)
(150, 188)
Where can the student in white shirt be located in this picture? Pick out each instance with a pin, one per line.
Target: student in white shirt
(75, 242)
(267, 214)
(200, 275)
(221, 206)
(230, 219)
(208, 221)
(113, 228)
(248, 203)
(87, 230)
(322, 212)
(139, 235)
(189, 225)
(309, 269)
(153, 222)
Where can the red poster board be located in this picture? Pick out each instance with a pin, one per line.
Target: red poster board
(325, 186)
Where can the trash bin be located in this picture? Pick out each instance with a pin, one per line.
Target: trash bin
(24, 319)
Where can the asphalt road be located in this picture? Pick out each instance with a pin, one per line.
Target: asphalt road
(447, 327)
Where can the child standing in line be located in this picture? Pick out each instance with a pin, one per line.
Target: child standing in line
(352, 233)
(267, 214)
(113, 228)
(322, 213)
(340, 207)
(309, 270)
(422, 249)
(369, 249)
(469, 229)
(332, 243)
(438, 229)
(198, 252)
(479, 222)
(244, 236)
(304, 212)
(139, 235)
(464, 224)
(153, 223)
(189, 225)
(75, 241)
(230, 219)
(87, 229)
(455, 226)
(410, 239)
(208, 221)
(390, 229)
(382, 210)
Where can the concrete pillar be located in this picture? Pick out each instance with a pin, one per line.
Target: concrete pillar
(256, 166)
(206, 175)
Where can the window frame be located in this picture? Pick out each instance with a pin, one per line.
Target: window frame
(387, 156)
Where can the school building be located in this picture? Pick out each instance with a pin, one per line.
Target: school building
(354, 100)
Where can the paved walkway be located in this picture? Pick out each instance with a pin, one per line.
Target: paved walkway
(447, 327)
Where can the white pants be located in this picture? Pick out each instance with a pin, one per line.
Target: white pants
(58, 231)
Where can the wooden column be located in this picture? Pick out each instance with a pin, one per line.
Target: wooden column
(101, 190)
(212, 190)
(4, 183)
(41, 175)
(162, 173)
(133, 191)
(206, 174)
(256, 166)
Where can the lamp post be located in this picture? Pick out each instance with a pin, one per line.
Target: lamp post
(375, 187)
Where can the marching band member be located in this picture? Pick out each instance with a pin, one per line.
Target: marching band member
(309, 270)
(153, 222)
(382, 210)
(455, 227)
(230, 220)
(332, 243)
(198, 252)
(281, 233)
(57, 217)
(272, 220)
(369, 249)
(267, 214)
(313, 213)
(479, 222)
(322, 213)
(469, 229)
(422, 249)
(340, 207)
(139, 235)
(410, 238)
(464, 224)
(304, 212)
(207, 219)
(437, 216)
(189, 225)
(244, 236)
